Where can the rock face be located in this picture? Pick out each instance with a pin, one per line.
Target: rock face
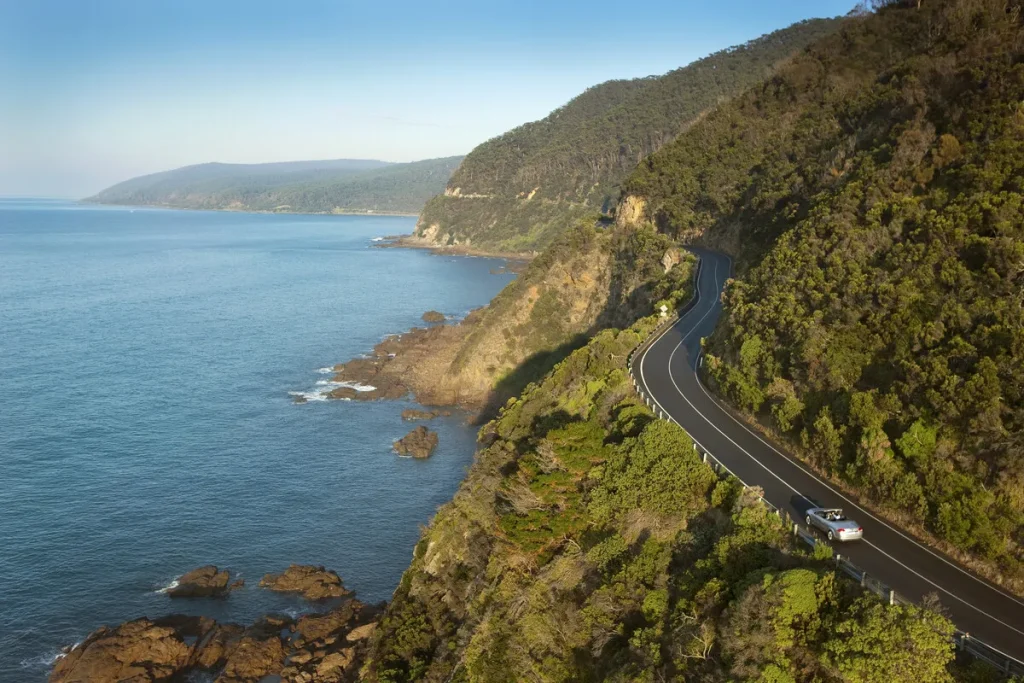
(138, 651)
(319, 648)
(313, 583)
(433, 317)
(204, 582)
(419, 443)
(411, 414)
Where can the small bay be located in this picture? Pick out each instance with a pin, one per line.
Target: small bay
(147, 426)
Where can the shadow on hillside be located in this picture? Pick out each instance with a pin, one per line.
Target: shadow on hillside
(530, 370)
(624, 306)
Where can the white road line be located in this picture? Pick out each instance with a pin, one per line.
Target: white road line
(884, 523)
(787, 484)
(854, 504)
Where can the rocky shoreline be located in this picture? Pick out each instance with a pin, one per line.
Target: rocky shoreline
(319, 647)
(414, 364)
(517, 260)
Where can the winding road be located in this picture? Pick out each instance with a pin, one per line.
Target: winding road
(667, 372)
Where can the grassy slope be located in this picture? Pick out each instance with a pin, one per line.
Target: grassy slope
(872, 191)
(515, 193)
(304, 187)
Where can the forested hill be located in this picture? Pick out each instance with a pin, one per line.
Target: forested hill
(519, 190)
(332, 186)
(872, 189)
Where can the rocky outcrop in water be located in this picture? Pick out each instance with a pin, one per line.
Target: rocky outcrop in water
(433, 317)
(411, 414)
(204, 582)
(312, 583)
(419, 443)
(318, 648)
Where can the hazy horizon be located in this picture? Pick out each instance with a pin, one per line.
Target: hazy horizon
(94, 95)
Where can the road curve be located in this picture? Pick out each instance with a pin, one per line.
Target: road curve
(667, 372)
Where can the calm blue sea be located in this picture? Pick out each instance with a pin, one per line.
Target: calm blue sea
(146, 426)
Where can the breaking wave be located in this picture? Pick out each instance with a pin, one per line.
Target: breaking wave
(171, 586)
(325, 386)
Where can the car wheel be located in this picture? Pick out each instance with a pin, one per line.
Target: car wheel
(831, 536)
(808, 520)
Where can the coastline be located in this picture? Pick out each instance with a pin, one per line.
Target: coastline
(169, 207)
(175, 632)
(413, 242)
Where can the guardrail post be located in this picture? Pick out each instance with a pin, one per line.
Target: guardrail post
(892, 597)
(863, 579)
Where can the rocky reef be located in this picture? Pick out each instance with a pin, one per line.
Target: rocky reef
(419, 443)
(312, 583)
(412, 414)
(316, 648)
(321, 647)
(433, 317)
(204, 582)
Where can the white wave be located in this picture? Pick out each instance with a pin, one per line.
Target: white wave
(48, 659)
(309, 395)
(325, 371)
(326, 386)
(377, 239)
(171, 586)
(351, 385)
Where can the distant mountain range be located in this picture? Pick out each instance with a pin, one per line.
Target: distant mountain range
(327, 186)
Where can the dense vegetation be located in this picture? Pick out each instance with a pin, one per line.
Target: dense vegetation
(589, 543)
(519, 190)
(872, 190)
(338, 186)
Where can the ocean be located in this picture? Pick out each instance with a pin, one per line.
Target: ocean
(148, 363)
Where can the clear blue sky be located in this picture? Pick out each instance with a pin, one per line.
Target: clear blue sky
(96, 91)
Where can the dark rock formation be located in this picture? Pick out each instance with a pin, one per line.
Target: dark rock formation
(319, 648)
(204, 582)
(414, 414)
(138, 651)
(433, 317)
(419, 443)
(313, 583)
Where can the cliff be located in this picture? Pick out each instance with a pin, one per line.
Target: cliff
(592, 277)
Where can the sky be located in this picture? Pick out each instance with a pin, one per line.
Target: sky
(93, 92)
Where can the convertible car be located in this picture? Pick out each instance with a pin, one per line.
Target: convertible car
(835, 524)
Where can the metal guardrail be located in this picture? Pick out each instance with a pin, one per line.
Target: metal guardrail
(963, 641)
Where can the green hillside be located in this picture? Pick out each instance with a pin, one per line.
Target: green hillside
(872, 190)
(341, 185)
(589, 543)
(519, 190)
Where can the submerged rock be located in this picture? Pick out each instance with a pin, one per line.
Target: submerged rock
(204, 582)
(313, 583)
(419, 443)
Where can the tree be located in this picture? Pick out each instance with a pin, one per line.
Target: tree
(891, 643)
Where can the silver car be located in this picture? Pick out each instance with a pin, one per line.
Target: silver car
(835, 524)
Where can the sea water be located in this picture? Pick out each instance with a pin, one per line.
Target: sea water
(149, 362)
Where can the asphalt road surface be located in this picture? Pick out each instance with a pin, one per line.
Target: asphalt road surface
(667, 370)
